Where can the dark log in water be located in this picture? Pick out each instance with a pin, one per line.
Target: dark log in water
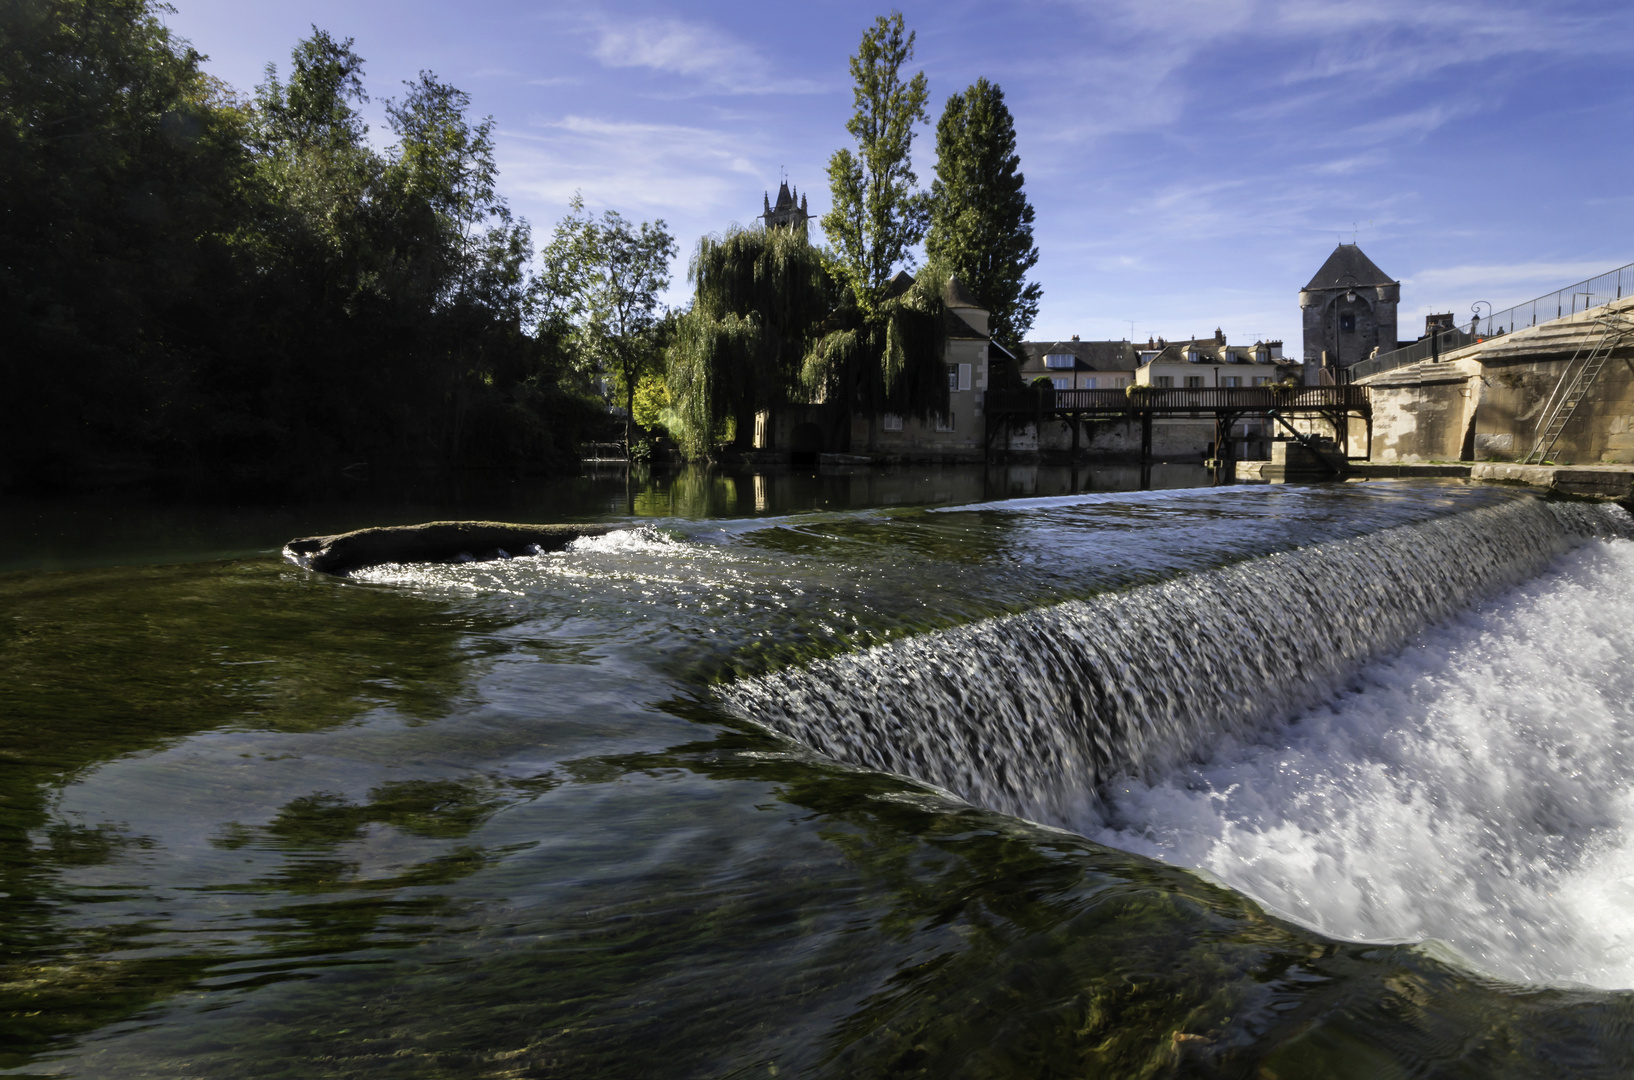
(434, 541)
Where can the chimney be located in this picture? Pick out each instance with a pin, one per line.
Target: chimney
(1075, 337)
(1219, 336)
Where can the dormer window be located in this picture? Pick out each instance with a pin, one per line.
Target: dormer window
(1193, 356)
(1059, 360)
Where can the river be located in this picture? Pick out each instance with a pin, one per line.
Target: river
(939, 772)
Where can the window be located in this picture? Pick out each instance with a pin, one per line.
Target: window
(952, 379)
(1193, 356)
(964, 377)
(1119, 384)
(1194, 382)
(1059, 360)
(1261, 380)
(1089, 384)
(1061, 382)
(1232, 357)
(944, 423)
(1231, 380)
(1347, 323)
(1164, 381)
(891, 422)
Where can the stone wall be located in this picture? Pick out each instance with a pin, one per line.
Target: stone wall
(1488, 409)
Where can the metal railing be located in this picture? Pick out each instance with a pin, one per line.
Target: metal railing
(1592, 293)
(1170, 400)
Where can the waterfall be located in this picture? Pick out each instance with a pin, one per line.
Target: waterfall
(1031, 713)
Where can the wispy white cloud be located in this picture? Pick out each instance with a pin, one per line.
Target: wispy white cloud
(1531, 278)
(693, 51)
(664, 169)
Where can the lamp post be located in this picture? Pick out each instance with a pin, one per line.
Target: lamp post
(1475, 326)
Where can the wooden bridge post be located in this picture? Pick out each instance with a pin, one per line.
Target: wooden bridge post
(1146, 436)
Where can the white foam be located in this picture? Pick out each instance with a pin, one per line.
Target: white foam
(1476, 787)
(643, 538)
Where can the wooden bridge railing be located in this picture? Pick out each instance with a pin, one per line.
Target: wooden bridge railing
(1168, 400)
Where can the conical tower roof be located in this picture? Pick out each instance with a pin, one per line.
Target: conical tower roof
(957, 295)
(1348, 266)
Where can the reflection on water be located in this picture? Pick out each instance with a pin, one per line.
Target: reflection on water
(486, 821)
(117, 529)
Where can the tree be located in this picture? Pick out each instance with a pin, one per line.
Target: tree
(981, 225)
(760, 297)
(884, 348)
(614, 270)
(121, 164)
(878, 214)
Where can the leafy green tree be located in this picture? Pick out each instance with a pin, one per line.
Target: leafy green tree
(612, 272)
(121, 164)
(246, 287)
(878, 213)
(981, 224)
(884, 348)
(760, 297)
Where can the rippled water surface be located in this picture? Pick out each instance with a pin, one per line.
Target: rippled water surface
(501, 819)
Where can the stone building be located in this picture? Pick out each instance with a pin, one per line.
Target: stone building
(1349, 310)
(788, 213)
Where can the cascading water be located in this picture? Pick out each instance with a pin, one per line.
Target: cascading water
(1093, 715)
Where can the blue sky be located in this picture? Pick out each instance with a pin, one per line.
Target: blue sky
(1192, 162)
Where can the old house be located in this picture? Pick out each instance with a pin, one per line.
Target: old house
(1079, 365)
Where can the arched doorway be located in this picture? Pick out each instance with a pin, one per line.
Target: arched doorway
(805, 443)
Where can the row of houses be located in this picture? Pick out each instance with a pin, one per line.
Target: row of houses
(1115, 365)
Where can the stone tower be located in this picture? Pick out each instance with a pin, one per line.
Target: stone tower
(1349, 309)
(787, 214)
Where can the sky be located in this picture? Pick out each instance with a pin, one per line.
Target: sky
(1192, 162)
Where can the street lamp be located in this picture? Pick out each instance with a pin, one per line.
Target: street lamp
(1475, 326)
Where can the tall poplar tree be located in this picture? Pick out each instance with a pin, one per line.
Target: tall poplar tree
(878, 213)
(884, 348)
(981, 225)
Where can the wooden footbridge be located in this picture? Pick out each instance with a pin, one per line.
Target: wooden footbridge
(1338, 405)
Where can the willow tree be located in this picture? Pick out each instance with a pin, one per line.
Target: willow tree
(884, 348)
(885, 360)
(760, 297)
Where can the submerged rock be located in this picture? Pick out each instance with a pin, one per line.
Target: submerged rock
(434, 541)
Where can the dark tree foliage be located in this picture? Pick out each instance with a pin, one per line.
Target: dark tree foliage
(760, 298)
(981, 225)
(192, 279)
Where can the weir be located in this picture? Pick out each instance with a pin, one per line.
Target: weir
(1032, 714)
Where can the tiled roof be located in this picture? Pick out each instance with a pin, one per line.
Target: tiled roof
(1088, 355)
(958, 295)
(1348, 266)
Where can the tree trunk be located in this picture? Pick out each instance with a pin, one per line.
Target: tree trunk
(629, 413)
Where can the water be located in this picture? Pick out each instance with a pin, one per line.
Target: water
(516, 819)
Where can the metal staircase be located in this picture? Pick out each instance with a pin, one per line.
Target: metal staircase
(1575, 383)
